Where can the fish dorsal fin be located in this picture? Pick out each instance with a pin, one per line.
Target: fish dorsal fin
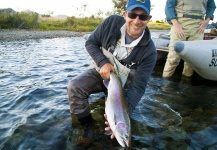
(106, 82)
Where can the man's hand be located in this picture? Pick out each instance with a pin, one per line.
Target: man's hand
(107, 129)
(178, 28)
(106, 69)
(203, 25)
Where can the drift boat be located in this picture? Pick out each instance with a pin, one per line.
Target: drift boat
(201, 55)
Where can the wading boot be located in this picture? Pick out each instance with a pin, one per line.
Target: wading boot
(75, 121)
(85, 120)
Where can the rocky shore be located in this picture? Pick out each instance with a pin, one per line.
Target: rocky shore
(11, 35)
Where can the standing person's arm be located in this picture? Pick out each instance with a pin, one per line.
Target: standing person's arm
(172, 18)
(211, 6)
(178, 28)
(209, 16)
(203, 25)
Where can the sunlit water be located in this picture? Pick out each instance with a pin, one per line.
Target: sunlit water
(34, 111)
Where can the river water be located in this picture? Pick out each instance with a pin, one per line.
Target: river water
(34, 113)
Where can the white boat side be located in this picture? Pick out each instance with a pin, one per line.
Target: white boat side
(201, 55)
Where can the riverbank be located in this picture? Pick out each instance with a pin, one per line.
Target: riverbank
(13, 35)
(20, 35)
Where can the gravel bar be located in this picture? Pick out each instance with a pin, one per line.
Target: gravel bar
(20, 35)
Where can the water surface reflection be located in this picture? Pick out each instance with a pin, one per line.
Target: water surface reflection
(34, 111)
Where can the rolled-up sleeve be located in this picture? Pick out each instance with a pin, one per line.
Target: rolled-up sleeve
(170, 10)
(211, 6)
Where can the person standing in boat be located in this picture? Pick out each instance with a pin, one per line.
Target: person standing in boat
(188, 18)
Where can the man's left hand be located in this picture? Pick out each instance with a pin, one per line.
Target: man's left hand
(203, 25)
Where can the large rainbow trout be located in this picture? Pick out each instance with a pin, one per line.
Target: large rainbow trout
(116, 109)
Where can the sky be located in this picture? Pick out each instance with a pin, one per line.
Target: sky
(76, 7)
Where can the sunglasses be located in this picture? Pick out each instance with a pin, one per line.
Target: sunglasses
(141, 17)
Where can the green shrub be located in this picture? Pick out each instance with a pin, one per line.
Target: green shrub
(86, 24)
(23, 20)
(31, 20)
(158, 26)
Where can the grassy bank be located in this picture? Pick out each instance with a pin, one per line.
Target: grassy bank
(87, 24)
(32, 20)
(84, 24)
(158, 26)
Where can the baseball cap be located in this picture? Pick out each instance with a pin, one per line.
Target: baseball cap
(144, 4)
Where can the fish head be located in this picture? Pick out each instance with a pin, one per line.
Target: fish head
(122, 135)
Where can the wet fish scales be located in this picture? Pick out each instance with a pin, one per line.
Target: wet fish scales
(116, 109)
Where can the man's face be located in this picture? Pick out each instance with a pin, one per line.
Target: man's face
(136, 26)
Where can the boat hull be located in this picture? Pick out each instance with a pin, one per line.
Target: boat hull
(201, 55)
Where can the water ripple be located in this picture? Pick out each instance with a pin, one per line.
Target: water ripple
(34, 110)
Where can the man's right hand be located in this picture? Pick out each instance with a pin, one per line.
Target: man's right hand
(105, 70)
(178, 28)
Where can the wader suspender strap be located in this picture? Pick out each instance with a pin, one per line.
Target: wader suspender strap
(138, 56)
(111, 49)
(138, 59)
